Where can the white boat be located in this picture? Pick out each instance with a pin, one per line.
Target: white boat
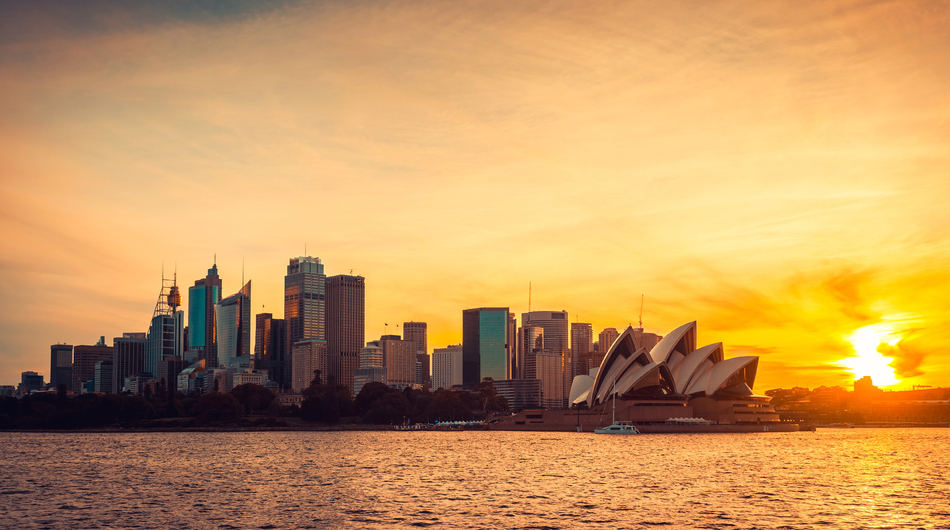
(617, 427)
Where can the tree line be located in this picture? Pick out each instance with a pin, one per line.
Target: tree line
(248, 406)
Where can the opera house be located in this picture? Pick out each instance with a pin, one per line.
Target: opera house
(673, 387)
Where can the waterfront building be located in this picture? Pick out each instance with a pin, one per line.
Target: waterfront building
(309, 356)
(485, 345)
(233, 328)
(202, 298)
(582, 347)
(345, 327)
(304, 300)
(30, 381)
(447, 367)
(128, 358)
(270, 352)
(103, 377)
(416, 332)
(520, 393)
(61, 366)
(399, 358)
(371, 367)
(557, 340)
(84, 362)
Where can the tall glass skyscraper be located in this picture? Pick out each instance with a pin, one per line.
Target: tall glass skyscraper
(304, 305)
(201, 326)
(233, 325)
(485, 345)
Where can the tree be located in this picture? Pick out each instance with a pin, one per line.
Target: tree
(254, 398)
(217, 408)
(217, 384)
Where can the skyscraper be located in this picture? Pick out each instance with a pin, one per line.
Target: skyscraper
(309, 356)
(531, 344)
(416, 332)
(269, 349)
(167, 328)
(84, 362)
(485, 345)
(582, 344)
(556, 341)
(304, 288)
(202, 298)
(345, 327)
(233, 329)
(447, 367)
(606, 340)
(61, 366)
(371, 367)
(399, 358)
(128, 358)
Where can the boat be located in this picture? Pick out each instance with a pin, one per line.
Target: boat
(616, 427)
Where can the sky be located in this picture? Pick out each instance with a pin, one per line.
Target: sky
(776, 171)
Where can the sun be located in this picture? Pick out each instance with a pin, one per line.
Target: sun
(869, 361)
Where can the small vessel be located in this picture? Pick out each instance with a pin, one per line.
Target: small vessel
(617, 427)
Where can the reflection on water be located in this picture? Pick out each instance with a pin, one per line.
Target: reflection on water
(832, 478)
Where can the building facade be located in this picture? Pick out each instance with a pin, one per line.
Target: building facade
(371, 368)
(233, 329)
(485, 345)
(447, 367)
(128, 358)
(304, 300)
(61, 366)
(345, 327)
(270, 351)
(309, 356)
(103, 375)
(417, 333)
(84, 362)
(582, 348)
(202, 298)
(399, 358)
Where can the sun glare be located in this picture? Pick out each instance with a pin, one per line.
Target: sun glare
(869, 361)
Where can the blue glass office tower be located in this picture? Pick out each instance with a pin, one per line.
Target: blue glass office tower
(201, 320)
(485, 345)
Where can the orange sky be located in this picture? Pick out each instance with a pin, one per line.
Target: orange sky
(777, 171)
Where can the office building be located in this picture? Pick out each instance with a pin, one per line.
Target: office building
(399, 358)
(416, 332)
(29, 382)
(520, 393)
(557, 340)
(128, 358)
(485, 345)
(166, 332)
(61, 366)
(646, 340)
(371, 367)
(202, 298)
(84, 362)
(531, 343)
(168, 370)
(233, 327)
(345, 327)
(103, 376)
(550, 367)
(270, 352)
(304, 300)
(309, 357)
(582, 348)
(447, 367)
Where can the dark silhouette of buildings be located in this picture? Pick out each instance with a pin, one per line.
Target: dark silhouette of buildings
(61, 366)
(84, 362)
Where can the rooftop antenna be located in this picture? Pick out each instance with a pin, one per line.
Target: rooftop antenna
(242, 270)
(529, 297)
(641, 312)
(305, 248)
(215, 259)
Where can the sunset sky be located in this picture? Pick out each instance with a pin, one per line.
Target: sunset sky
(777, 171)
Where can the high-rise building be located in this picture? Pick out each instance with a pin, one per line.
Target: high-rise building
(202, 298)
(485, 345)
(166, 332)
(606, 340)
(645, 340)
(269, 349)
(309, 357)
(556, 340)
(550, 368)
(103, 375)
(582, 347)
(371, 367)
(416, 332)
(530, 344)
(345, 327)
(399, 358)
(447, 367)
(84, 362)
(168, 370)
(515, 362)
(61, 366)
(30, 381)
(128, 358)
(304, 288)
(233, 328)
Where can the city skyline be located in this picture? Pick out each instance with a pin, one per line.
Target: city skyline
(775, 172)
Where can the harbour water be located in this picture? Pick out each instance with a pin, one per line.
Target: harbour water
(833, 478)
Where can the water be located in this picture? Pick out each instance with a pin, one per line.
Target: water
(848, 478)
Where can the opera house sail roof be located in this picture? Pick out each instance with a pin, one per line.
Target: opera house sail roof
(674, 367)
